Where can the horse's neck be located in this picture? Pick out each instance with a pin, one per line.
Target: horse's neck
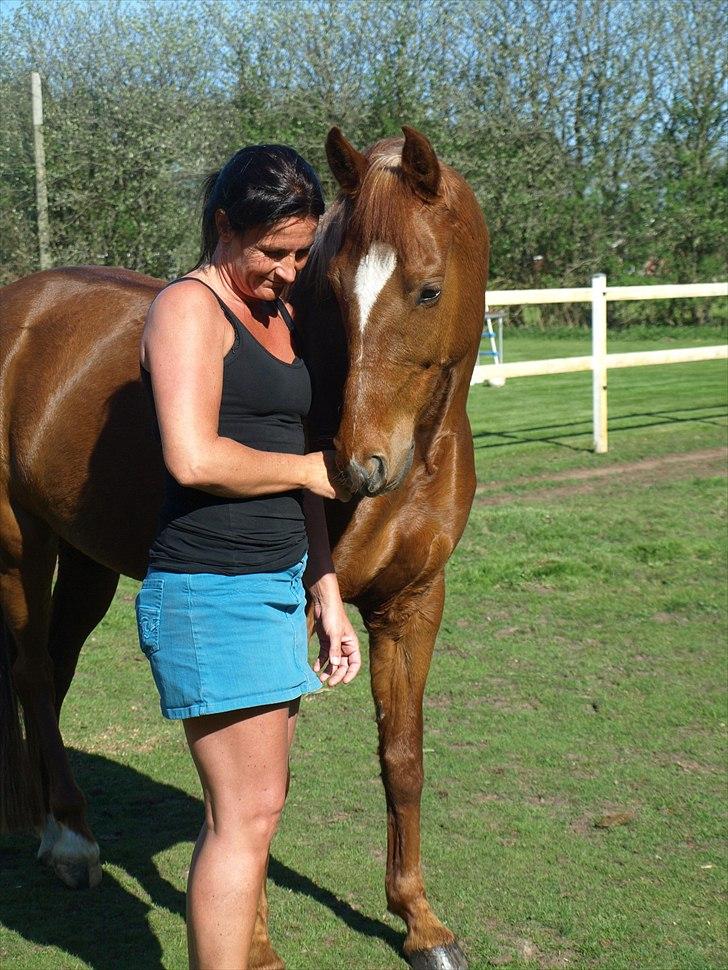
(445, 414)
(324, 348)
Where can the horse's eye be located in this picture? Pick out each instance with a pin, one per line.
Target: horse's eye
(429, 295)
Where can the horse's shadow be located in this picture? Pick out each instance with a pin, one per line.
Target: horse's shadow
(134, 818)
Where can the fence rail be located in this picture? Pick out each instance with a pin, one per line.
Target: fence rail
(583, 294)
(599, 361)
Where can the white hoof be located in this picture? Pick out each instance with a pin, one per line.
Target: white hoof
(51, 834)
(73, 858)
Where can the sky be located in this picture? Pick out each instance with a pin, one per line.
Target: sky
(7, 7)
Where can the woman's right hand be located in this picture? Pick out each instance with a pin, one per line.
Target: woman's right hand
(324, 478)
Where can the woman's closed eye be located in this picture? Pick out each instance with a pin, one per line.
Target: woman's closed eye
(280, 254)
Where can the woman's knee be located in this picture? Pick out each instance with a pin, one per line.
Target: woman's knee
(249, 815)
(264, 814)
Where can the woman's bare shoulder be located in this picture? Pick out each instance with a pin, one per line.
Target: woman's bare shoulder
(184, 294)
(186, 313)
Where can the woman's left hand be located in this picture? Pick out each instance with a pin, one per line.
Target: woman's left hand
(339, 644)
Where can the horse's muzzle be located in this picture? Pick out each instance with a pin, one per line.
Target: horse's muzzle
(371, 476)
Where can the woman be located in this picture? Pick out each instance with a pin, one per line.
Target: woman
(221, 610)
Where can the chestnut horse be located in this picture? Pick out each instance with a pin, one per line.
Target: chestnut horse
(389, 314)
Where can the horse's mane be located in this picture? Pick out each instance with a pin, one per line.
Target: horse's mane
(374, 213)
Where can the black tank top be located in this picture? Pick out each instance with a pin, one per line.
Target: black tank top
(264, 401)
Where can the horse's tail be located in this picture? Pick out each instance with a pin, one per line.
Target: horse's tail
(21, 795)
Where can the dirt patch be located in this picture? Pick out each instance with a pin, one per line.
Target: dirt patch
(548, 801)
(663, 617)
(509, 703)
(484, 798)
(597, 822)
(580, 481)
(520, 949)
(438, 701)
(688, 765)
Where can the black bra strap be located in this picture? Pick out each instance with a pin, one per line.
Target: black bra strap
(283, 310)
(280, 305)
(194, 279)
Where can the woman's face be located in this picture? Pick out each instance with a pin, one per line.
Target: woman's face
(262, 261)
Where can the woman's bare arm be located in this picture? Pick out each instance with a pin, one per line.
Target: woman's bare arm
(339, 658)
(183, 346)
(320, 576)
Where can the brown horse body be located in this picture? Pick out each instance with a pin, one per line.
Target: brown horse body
(81, 478)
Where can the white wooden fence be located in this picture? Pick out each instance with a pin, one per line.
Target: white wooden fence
(599, 361)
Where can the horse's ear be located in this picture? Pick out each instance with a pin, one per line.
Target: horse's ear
(420, 166)
(346, 163)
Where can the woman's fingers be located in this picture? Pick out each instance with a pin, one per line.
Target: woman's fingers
(331, 649)
(339, 667)
(348, 663)
(353, 665)
(334, 484)
(339, 658)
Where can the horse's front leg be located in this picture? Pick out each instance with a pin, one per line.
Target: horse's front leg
(402, 638)
(262, 954)
(27, 558)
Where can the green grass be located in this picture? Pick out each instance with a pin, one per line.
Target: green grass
(539, 425)
(580, 671)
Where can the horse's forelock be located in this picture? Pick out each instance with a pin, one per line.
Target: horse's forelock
(380, 208)
(378, 213)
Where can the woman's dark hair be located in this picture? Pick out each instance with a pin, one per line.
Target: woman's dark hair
(259, 186)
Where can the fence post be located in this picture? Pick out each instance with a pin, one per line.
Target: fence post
(599, 361)
(40, 171)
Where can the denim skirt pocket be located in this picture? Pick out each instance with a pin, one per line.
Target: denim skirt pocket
(148, 611)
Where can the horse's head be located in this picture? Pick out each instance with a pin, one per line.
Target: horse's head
(406, 257)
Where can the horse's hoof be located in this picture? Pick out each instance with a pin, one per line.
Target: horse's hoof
(78, 874)
(73, 857)
(449, 957)
(51, 834)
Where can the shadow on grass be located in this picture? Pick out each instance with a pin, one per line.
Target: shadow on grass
(134, 818)
(567, 429)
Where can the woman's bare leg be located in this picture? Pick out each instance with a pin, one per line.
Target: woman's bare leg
(242, 759)
(262, 953)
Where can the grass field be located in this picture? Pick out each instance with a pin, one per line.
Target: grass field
(575, 740)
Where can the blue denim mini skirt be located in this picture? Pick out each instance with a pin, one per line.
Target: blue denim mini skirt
(219, 643)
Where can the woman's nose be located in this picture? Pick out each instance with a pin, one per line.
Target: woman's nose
(286, 270)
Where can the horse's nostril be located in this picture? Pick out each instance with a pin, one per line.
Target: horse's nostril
(376, 474)
(369, 477)
(377, 468)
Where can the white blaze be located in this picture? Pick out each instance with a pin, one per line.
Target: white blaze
(372, 274)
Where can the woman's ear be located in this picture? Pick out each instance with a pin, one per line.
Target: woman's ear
(222, 224)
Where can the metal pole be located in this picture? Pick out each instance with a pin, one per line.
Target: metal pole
(40, 172)
(599, 361)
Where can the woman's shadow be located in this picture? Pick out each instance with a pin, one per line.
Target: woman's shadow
(134, 818)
